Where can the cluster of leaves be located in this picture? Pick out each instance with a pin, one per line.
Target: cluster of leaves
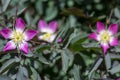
(77, 57)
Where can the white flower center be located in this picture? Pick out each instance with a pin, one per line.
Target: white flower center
(17, 37)
(47, 36)
(105, 36)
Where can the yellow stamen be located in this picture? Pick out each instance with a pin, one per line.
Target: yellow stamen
(46, 36)
(105, 36)
(17, 36)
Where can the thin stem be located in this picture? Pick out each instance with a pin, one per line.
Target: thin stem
(91, 28)
(19, 53)
(2, 25)
(15, 17)
(67, 44)
(6, 20)
(108, 21)
(35, 42)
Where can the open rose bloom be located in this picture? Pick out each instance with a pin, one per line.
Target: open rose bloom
(106, 37)
(18, 36)
(48, 31)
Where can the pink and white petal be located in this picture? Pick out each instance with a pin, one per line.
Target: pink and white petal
(93, 36)
(6, 33)
(113, 28)
(48, 30)
(29, 34)
(100, 27)
(53, 26)
(42, 25)
(20, 24)
(24, 47)
(52, 38)
(40, 37)
(9, 46)
(114, 41)
(105, 47)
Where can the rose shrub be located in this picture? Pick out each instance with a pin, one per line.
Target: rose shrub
(59, 40)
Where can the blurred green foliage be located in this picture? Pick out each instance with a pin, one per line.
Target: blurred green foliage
(76, 57)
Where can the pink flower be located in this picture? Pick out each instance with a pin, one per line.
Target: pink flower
(18, 36)
(48, 30)
(106, 37)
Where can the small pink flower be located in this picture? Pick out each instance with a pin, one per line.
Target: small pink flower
(48, 30)
(18, 36)
(106, 37)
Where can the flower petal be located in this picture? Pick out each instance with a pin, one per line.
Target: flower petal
(53, 26)
(105, 47)
(40, 37)
(20, 24)
(52, 38)
(60, 40)
(29, 34)
(118, 79)
(42, 25)
(113, 28)
(100, 27)
(114, 42)
(24, 47)
(93, 36)
(9, 46)
(6, 33)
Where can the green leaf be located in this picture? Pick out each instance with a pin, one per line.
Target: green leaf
(11, 12)
(5, 4)
(22, 73)
(5, 57)
(29, 55)
(114, 56)
(115, 63)
(35, 20)
(107, 61)
(77, 37)
(116, 49)
(43, 59)
(28, 17)
(7, 64)
(86, 59)
(117, 12)
(51, 12)
(37, 65)
(76, 72)
(70, 56)
(95, 66)
(67, 59)
(39, 7)
(27, 61)
(91, 45)
(35, 75)
(4, 77)
(115, 69)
